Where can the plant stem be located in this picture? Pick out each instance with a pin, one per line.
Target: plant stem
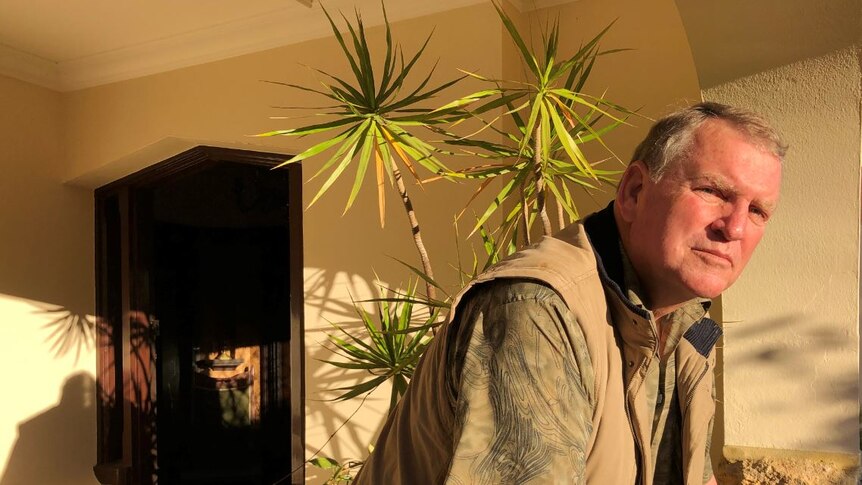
(525, 217)
(431, 292)
(540, 181)
(560, 216)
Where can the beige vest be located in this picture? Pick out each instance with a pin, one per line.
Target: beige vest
(415, 445)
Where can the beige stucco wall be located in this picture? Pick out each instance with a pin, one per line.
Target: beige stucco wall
(791, 346)
(47, 423)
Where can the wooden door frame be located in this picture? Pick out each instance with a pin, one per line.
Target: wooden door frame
(125, 466)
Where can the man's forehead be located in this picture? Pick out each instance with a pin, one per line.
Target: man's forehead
(718, 132)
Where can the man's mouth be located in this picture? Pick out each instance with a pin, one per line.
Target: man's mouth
(717, 255)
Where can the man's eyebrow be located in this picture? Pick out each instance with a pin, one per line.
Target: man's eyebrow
(716, 182)
(769, 207)
(722, 185)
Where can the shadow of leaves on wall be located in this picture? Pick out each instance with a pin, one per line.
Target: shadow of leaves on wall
(320, 388)
(68, 331)
(800, 350)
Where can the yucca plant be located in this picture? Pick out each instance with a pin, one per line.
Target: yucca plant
(390, 348)
(553, 118)
(374, 115)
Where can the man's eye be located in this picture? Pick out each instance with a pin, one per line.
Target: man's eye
(758, 214)
(710, 191)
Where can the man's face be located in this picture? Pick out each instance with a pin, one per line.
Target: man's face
(694, 230)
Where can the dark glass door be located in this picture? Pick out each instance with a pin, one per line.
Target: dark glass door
(200, 302)
(219, 289)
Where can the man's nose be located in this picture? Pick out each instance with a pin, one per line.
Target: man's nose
(732, 222)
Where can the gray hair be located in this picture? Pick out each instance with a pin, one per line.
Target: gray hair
(671, 138)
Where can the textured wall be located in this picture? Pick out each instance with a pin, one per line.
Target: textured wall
(791, 321)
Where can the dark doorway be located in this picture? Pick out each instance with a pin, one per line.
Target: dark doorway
(199, 255)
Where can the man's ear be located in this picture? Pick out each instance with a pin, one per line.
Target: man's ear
(630, 189)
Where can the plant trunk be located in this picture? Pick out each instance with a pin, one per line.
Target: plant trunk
(540, 181)
(430, 291)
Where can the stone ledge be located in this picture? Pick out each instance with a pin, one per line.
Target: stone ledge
(750, 466)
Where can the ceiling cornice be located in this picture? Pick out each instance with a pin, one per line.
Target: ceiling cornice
(189, 49)
(27, 67)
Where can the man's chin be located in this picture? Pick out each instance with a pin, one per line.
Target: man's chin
(709, 294)
(708, 291)
(708, 287)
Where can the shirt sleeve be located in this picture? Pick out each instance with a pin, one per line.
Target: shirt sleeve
(525, 391)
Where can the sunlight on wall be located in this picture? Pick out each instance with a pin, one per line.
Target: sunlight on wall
(327, 303)
(48, 410)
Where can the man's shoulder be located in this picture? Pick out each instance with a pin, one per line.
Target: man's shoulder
(565, 255)
(513, 290)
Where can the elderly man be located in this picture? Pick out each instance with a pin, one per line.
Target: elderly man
(589, 358)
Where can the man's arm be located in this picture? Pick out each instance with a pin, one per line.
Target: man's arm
(708, 475)
(524, 401)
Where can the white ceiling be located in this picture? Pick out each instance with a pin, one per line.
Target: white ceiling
(68, 45)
